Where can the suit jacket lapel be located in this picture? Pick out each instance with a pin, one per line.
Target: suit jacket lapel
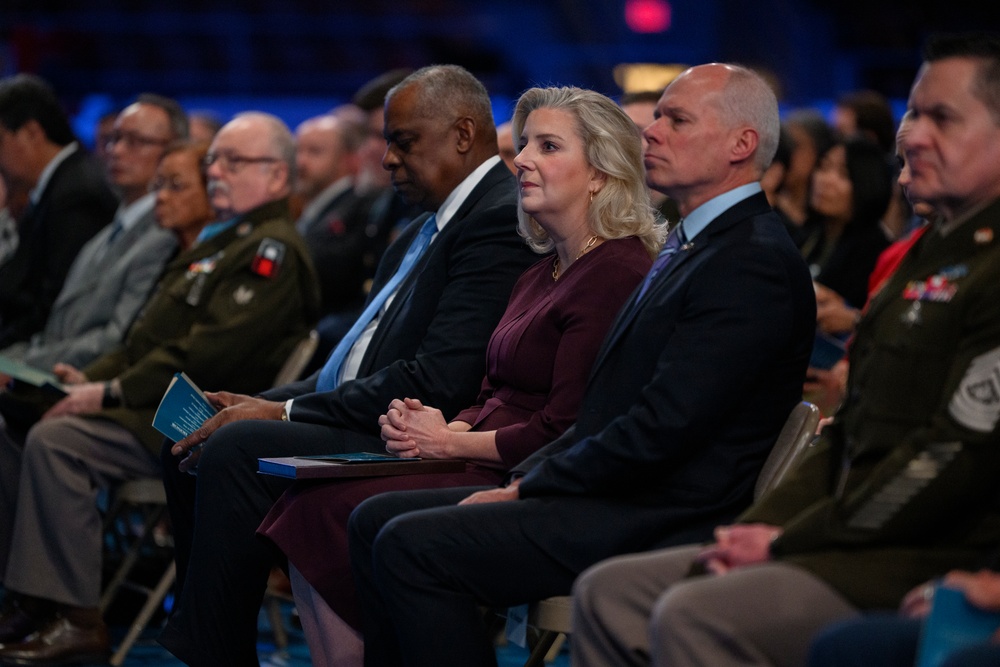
(754, 205)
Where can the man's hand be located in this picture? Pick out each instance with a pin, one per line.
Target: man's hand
(82, 399)
(500, 495)
(738, 545)
(410, 430)
(68, 374)
(232, 408)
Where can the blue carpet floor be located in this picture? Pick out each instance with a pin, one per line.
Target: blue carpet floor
(147, 653)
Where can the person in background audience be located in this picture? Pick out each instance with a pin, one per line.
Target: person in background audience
(574, 143)
(810, 138)
(428, 342)
(335, 218)
(687, 395)
(903, 484)
(826, 387)
(505, 142)
(69, 202)
(242, 289)
(204, 125)
(850, 192)
(865, 114)
(114, 273)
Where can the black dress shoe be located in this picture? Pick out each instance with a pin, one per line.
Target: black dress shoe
(60, 643)
(15, 624)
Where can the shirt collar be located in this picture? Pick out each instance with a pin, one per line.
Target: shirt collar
(129, 215)
(699, 218)
(458, 196)
(214, 229)
(46, 175)
(323, 199)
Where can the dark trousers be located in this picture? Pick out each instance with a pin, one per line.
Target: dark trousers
(222, 564)
(423, 576)
(876, 639)
(887, 640)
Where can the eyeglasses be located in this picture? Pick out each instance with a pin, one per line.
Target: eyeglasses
(168, 184)
(234, 162)
(133, 140)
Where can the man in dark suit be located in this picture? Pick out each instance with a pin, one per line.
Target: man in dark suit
(686, 398)
(428, 341)
(69, 202)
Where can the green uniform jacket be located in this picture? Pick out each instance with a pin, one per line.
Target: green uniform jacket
(227, 312)
(904, 485)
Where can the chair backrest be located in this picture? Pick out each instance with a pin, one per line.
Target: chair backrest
(297, 360)
(795, 437)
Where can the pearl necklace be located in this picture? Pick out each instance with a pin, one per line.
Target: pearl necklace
(586, 249)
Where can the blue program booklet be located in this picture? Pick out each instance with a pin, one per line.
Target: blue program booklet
(953, 624)
(183, 409)
(29, 375)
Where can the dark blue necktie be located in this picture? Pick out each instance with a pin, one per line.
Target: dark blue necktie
(670, 248)
(329, 376)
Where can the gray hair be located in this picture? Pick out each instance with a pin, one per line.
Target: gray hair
(450, 89)
(281, 139)
(175, 114)
(612, 146)
(747, 99)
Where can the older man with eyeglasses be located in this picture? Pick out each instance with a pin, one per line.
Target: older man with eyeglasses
(228, 310)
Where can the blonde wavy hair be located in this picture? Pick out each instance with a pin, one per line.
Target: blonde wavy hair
(612, 145)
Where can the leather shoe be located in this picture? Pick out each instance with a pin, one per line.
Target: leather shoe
(60, 643)
(15, 624)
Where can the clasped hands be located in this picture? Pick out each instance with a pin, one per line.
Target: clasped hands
(737, 546)
(410, 429)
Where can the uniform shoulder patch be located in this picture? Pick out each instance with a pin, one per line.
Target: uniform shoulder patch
(267, 261)
(976, 403)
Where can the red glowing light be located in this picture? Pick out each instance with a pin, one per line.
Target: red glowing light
(647, 15)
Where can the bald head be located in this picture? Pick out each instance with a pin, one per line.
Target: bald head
(716, 128)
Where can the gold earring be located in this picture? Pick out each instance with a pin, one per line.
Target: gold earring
(591, 196)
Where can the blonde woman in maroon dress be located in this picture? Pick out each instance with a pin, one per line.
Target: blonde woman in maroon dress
(583, 196)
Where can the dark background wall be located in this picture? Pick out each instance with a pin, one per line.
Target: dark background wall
(300, 57)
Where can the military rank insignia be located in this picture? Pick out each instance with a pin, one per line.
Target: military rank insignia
(976, 403)
(267, 261)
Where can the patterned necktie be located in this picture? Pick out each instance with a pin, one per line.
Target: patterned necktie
(670, 248)
(329, 376)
